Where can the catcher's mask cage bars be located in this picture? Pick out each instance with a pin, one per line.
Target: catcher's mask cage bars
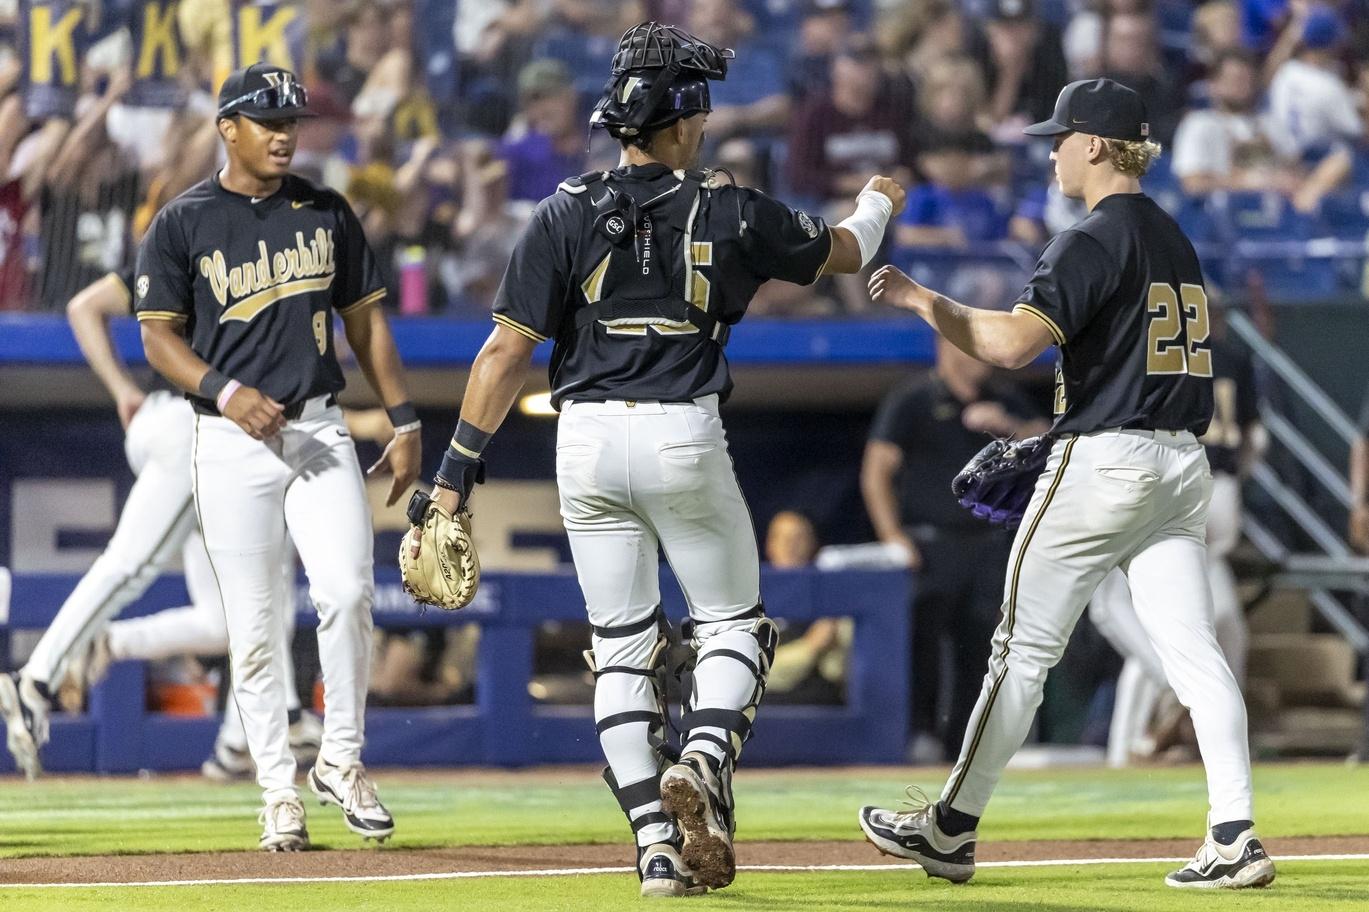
(661, 55)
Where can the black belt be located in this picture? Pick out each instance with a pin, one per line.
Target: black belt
(573, 400)
(292, 412)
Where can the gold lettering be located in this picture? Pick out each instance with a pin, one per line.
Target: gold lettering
(159, 39)
(212, 268)
(260, 39)
(48, 41)
(270, 277)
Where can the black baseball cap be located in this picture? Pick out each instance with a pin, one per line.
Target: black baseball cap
(1101, 107)
(263, 91)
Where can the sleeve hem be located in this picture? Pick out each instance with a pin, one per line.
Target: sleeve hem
(1050, 324)
(831, 248)
(519, 328)
(372, 298)
(170, 315)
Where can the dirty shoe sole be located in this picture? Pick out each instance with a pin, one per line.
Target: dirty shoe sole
(707, 848)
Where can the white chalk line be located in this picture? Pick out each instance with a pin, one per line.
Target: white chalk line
(571, 872)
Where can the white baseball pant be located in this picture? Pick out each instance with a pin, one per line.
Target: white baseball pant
(634, 477)
(1119, 498)
(304, 483)
(1142, 682)
(157, 522)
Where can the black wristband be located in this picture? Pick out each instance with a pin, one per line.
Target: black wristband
(469, 440)
(402, 414)
(211, 384)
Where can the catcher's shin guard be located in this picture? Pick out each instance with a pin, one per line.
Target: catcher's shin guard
(629, 663)
(730, 669)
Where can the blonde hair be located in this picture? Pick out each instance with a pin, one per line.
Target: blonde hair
(1132, 158)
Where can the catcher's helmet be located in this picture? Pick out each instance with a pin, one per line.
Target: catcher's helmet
(660, 74)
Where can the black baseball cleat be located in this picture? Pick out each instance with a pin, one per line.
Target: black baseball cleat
(914, 835)
(1242, 864)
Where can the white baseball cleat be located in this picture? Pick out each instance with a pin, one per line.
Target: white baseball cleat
(349, 788)
(25, 712)
(1242, 864)
(283, 827)
(665, 874)
(914, 835)
(692, 794)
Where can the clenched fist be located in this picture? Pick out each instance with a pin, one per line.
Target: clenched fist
(890, 188)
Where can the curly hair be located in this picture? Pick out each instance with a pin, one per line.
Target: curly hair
(1132, 158)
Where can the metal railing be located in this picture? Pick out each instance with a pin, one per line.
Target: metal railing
(1336, 568)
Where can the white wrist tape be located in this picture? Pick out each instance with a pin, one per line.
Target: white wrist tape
(867, 223)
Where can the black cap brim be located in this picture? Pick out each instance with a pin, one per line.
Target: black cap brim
(1047, 128)
(272, 114)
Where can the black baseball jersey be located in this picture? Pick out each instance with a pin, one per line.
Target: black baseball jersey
(1122, 295)
(257, 282)
(574, 264)
(925, 420)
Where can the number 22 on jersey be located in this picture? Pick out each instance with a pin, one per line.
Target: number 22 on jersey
(1177, 330)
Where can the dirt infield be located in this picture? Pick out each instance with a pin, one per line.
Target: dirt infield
(383, 862)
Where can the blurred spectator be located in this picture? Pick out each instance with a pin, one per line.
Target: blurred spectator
(860, 126)
(1231, 146)
(1309, 96)
(494, 41)
(925, 431)
(752, 99)
(582, 34)
(809, 667)
(546, 142)
(365, 39)
(920, 34)
(964, 199)
(485, 233)
(1216, 30)
(1313, 105)
(1085, 35)
(1131, 55)
(1024, 63)
(826, 27)
(89, 191)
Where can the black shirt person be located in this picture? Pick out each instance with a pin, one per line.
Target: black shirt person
(924, 432)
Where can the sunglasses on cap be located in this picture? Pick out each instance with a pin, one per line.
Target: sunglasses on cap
(287, 97)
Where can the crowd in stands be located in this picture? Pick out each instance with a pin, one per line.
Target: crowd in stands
(1258, 101)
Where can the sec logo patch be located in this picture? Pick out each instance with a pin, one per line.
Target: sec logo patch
(143, 285)
(807, 225)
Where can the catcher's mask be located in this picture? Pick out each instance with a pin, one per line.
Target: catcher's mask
(660, 74)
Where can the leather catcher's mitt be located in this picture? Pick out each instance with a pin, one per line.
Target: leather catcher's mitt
(997, 483)
(446, 572)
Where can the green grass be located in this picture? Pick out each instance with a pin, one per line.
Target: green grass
(1312, 886)
(116, 816)
(55, 817)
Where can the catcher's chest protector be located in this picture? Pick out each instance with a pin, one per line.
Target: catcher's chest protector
(639, 258)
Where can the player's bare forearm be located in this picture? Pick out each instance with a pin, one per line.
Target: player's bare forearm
(368, 333)
(88, 313)
(1010, 340)
(170, 355)
(497, 377)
